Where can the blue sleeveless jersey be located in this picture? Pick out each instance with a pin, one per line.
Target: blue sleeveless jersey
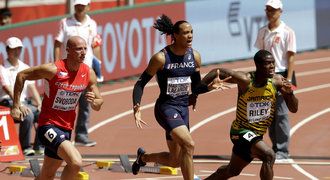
(174, 79)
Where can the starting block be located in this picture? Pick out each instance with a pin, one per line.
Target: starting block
(125, 166)
(159, 170)
(104, 164)
(13, 169)
(34, 171)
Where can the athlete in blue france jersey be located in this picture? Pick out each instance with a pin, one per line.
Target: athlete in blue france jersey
(177, 68)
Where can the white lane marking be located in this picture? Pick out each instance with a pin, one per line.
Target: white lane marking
(129, 88)
(111, 119)
(116, 117)
(308, 119)
(295, 128)
(211, 118)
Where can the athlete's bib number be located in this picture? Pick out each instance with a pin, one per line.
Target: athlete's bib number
(178, 86)
(50, 135)
(66, 100)
(258, 111)
(249, 135)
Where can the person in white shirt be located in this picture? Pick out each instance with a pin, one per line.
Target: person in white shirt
(10, 67)
(80, 24)
(280, 40)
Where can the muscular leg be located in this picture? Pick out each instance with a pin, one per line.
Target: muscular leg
(262, 151)
(72, 157)
(49, 168)
(165, 158)
(234, 168)
(181, 152)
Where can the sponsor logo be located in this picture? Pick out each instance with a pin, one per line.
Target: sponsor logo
(62, 74)
(175, 115)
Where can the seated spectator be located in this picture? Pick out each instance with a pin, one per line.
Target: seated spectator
(5, 16)
(11, 66)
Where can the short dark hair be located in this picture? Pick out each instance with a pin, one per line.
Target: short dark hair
(260, 55)
(5, 12)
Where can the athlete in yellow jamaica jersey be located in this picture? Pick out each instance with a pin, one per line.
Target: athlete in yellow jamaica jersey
(257, 92)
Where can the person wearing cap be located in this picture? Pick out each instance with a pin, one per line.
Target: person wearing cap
(80, 24)
(5, 16)
(11, 66)
(279, 39)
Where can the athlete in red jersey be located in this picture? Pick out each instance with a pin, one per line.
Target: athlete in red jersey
(65, 81)
(62, 93)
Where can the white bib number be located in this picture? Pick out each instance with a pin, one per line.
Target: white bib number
(66, 100)
(178, 86)
(50, 135)
(249, 136)
(258, 111)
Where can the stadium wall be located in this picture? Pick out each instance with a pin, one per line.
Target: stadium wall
(227, 29)
(223, 31)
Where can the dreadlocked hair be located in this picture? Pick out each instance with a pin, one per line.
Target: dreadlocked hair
(164, 24)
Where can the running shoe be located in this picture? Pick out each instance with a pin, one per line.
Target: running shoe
(84, 142)
(28, 152)
(138, 162)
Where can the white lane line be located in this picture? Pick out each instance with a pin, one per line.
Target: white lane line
(295, 128)
(129, 88)
(310, 61)
(319, 163)
(312, 88)
(211, 118)
(250, 68)
(308, 119)
(297, 167)
(307, 73)
(116, 117)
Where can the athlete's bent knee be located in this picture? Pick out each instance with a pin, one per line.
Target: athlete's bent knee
(188, 147)
(175, 163)
(75, 164)
(269, 157)
(232, 171)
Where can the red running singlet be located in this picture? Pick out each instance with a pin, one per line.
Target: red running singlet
(62, 94)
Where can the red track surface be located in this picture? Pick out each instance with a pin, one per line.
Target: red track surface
(309, 142)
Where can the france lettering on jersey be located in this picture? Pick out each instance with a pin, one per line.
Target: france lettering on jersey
(174, 80)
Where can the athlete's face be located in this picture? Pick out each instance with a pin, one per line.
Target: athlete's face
(267, 66)
(185, 35)
(272, 13)
(78, 51)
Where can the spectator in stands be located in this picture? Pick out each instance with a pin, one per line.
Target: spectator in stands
(80, 24)
(32, 106)
(5, 16)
